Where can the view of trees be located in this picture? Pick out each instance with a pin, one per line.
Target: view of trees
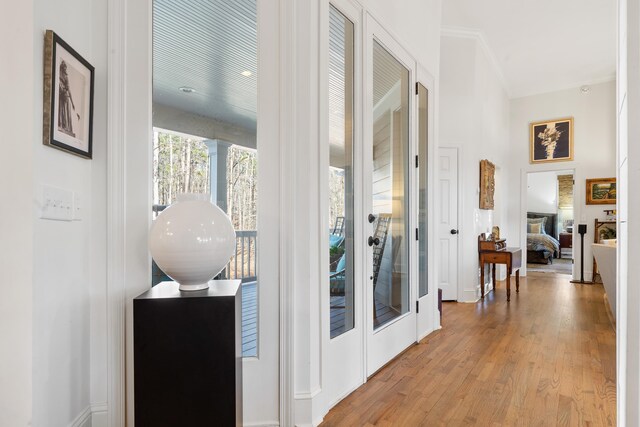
(181, 165)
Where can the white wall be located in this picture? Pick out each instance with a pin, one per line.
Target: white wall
(542, 192)
(594, 154)
(474, 116)
(53, 321)
(16, 225)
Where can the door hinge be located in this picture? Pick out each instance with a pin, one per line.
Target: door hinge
(417, 161)
(416, 88)
(417, 307)
(417, 238)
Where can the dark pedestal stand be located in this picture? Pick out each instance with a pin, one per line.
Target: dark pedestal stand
(188, 356)
(582, 229)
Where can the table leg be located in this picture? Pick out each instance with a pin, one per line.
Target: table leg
(482, 280)
(493, 275)
(518, 280)
(508, 281)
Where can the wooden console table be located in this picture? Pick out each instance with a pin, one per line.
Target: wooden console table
(495, 252)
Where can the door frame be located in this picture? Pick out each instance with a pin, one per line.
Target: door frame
(577, 211)
(129, 178)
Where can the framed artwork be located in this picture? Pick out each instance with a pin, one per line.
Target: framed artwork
(487, 184)
(601, 191)
(551, 141)
(68, 98)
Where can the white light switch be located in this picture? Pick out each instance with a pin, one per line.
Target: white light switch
(57, 204)
(78, 208)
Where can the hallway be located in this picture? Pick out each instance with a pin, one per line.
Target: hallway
(546, 358)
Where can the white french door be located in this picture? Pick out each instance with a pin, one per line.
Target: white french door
(427, 292)
(389, 217)
(343, 253)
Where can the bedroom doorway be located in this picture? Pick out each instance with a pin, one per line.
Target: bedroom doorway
(550, 218)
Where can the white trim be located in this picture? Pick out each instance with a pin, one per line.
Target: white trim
(116, 291)
(288, 26)
(575, 85)
(459, 32)
(83, 419)
(99, 415)
(577, 212)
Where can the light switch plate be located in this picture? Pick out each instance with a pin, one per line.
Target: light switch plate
(78, 207)
(57, 204)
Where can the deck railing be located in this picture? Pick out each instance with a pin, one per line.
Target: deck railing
(242, 264)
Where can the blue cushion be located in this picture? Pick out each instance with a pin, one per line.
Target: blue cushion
(342, 263)
(335, 240)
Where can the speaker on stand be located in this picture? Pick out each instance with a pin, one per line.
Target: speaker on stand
(582, 230)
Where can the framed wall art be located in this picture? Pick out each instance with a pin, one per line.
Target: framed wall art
(487, 184)
(551, 141)
(68, 98)
(601, 191)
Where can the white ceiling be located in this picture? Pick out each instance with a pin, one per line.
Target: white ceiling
(543, 45)
(207, 46)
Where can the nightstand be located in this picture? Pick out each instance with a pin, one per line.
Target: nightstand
(566, 241)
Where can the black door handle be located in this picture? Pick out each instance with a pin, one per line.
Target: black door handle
(454, 231)
(371, 218)
(373, 241)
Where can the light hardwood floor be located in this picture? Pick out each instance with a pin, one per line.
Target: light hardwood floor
(546, 358)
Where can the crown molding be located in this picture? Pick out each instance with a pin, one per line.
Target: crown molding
(467, 33)
(570, 86)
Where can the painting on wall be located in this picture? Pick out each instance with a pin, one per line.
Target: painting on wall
(551, 141)
(601, 191)
(68, 98)
(487, 184)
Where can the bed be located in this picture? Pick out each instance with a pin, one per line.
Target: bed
(542, 246)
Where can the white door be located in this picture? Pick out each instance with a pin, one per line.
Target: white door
(388, 179)
(426, 306)
(448, 222)
(342, 293)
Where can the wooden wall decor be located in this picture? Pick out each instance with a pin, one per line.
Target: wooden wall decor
(487, 184)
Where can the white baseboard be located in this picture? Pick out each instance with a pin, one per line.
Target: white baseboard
(306, 409)
(267, 424)
(83, 419)
(99, 415)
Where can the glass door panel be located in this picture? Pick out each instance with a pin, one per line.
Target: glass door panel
(390, 189)
(341, 197)
(423, 233)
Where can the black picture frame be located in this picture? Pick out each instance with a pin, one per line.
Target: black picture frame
(69, 81)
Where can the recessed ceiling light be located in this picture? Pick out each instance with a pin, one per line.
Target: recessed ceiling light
(187, 89)
(585, 89)
(246, 73)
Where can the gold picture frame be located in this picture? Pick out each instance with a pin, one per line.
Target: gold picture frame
(551, 141)
(487, 184)
(601, 191)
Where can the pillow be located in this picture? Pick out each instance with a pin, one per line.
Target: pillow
(541, 221)
(535, 228)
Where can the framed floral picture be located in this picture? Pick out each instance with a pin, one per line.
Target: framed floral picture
(551, 141)
(601, 191)
(68, 98)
